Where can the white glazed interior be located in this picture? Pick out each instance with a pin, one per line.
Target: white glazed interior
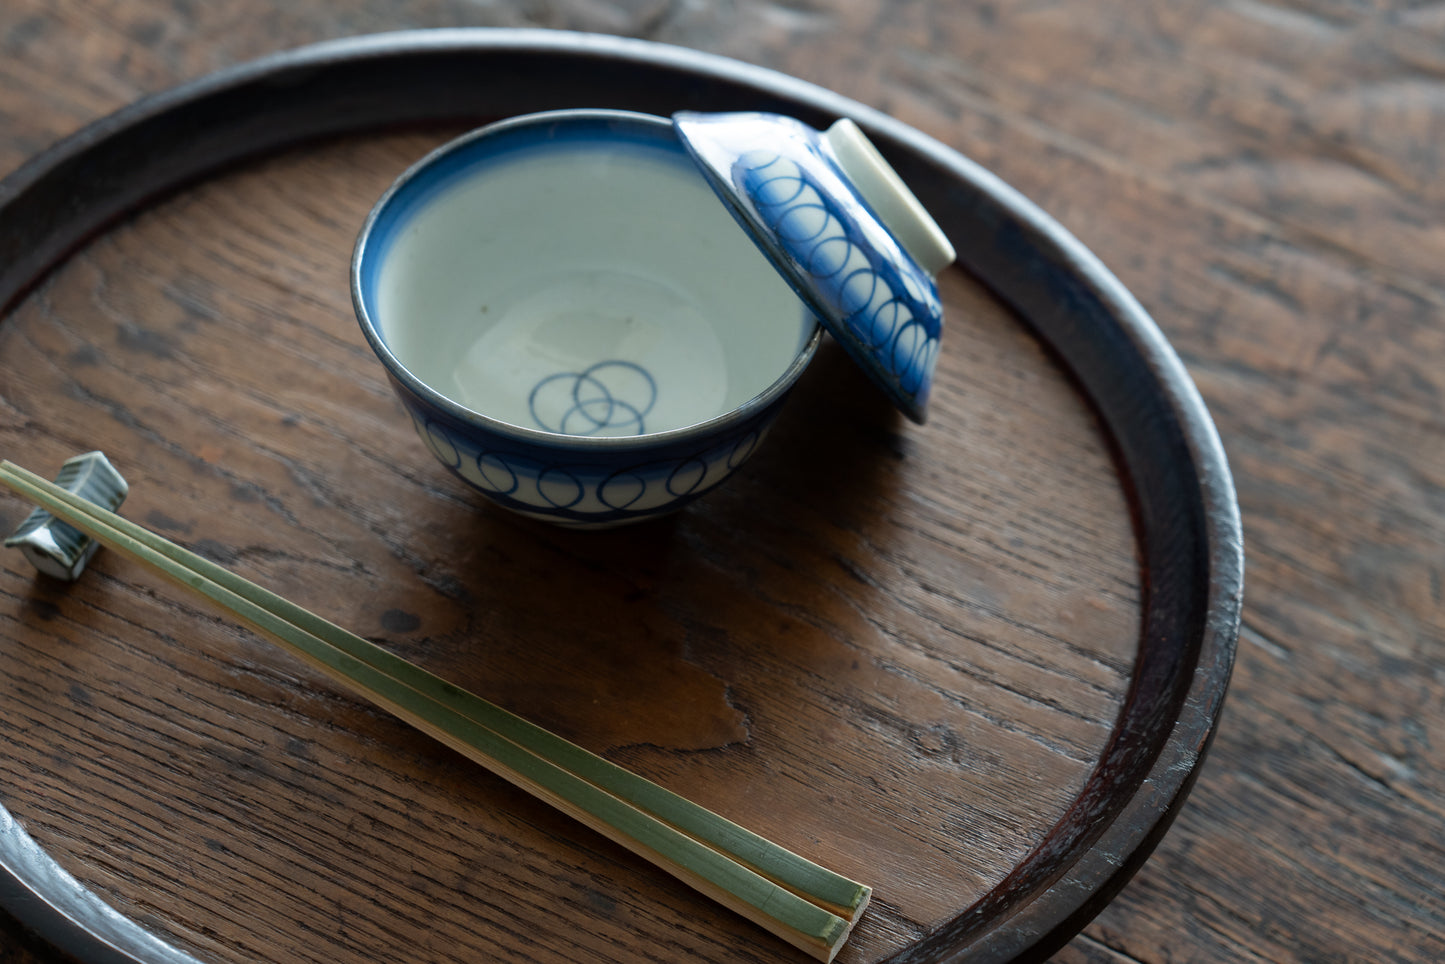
(543, 288)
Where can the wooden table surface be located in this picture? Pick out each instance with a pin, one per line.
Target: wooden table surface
(1267, 178)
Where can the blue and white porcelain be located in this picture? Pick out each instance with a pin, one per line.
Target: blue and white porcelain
(56, 548)
(838, 223)
(580, 330)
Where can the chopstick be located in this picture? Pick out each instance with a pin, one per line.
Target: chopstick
(801, 902)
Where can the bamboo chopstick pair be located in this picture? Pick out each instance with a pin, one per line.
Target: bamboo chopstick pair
(806, 905)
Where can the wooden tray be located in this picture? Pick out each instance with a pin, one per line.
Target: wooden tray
(976, 663)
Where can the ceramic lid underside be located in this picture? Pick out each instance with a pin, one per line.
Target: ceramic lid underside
(783, 185)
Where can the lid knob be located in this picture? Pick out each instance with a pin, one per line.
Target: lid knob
(896, 206)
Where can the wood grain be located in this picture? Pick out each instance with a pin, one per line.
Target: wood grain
(810, 652)
(1265, 177)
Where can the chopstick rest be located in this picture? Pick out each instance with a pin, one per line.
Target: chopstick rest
(52, 546)
(803, 903)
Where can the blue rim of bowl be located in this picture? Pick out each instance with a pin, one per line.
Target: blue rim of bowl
(444, 166)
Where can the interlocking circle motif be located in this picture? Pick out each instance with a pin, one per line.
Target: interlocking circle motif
(544, 485)
(890, 315)
(609, 398)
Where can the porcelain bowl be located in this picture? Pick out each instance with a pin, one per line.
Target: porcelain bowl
(576, 324)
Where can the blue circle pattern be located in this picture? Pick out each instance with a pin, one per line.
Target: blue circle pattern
(597, 403)
(576, 494)
(896, 319)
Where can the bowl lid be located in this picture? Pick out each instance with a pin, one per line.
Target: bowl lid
(844, 231)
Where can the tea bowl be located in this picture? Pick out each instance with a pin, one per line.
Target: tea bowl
(577, 327)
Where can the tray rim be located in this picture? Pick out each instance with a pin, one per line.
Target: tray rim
(1186, 510)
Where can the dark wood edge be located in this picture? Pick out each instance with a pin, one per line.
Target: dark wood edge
(62, 912)
(1188, 526)
(1186, 514)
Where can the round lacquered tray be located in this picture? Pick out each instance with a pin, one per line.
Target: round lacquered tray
(974, 663)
